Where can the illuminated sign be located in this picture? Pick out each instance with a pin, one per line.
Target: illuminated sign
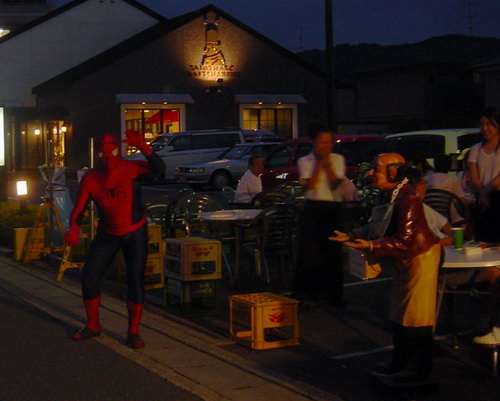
(2, 139)
(213, 65)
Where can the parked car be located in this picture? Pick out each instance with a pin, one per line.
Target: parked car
(261, 136)
(226, 169)
(198, 146)
(281, 164)
(431, 143)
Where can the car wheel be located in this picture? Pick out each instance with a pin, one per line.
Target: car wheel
(220, 179)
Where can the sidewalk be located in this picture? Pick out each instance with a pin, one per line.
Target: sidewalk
(179, 351)
(337, 352)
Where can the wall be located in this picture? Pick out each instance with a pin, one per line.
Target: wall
(163, 66)
(54, 46)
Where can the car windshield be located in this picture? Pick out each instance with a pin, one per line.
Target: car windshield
(235, 152)
(159, 142)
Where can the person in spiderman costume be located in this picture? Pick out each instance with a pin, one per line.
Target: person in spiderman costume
(114, 186)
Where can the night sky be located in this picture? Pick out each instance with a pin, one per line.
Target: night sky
(385, 22)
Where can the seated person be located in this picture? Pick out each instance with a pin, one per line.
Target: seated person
(487, 278)
(438, 224)
(440, 179)
(250, 184)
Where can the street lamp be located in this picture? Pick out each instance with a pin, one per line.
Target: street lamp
(22, 192)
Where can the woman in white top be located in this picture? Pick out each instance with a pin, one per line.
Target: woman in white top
(484, 164)
(319, 271)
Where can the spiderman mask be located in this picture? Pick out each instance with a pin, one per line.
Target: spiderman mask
(108, 151)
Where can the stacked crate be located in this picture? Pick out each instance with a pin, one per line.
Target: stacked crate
(193, 269)
(154, 274)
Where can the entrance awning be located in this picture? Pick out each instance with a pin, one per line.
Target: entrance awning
(269, 98)
(37, 113)
(176, 98)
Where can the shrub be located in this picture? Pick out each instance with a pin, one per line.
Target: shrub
(11, 217)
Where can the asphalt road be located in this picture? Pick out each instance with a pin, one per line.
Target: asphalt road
(38, 361)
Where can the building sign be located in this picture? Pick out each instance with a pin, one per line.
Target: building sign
(2, 139)
(213, 65)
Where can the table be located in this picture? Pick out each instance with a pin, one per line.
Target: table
(457, 259)
(230, 215)
(233, 215)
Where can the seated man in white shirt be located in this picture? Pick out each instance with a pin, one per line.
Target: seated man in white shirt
(440, 179)
(438, 224)
(250, 184)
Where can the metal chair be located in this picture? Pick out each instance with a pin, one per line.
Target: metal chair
(276, 228)
(269, 198)
(294, 188)
(442, 201)
(156, 212)
(172, 221)
(188, 209)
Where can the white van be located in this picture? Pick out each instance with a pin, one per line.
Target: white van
(197, 146)
(431, 143)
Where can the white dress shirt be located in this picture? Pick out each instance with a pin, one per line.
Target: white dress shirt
(323, 190)
(249, 186)
(436, 221)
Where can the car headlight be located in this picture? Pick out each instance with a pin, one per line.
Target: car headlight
(196, 170)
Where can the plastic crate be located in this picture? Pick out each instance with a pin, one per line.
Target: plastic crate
(37, 239)
(193, 258)
(192, 296)
(153, 272)
(155, 242)
(264, 320)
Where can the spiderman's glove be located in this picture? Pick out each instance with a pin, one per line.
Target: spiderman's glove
(135, 138)
(72, 236)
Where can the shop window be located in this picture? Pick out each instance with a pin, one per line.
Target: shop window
(277, 120)
(152, 122)
(32, 141)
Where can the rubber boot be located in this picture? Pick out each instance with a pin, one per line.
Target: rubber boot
(93, 327)
(134, 340)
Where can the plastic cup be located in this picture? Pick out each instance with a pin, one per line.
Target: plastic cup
(458, 237)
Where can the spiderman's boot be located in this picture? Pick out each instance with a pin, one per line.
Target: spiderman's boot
(92, 328)
(134, 340)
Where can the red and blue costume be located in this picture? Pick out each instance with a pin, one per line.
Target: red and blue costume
(114, 186)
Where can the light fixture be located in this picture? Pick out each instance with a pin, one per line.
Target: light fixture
(260, 102)
(22, 188)
(64, 129)
(54, 130)
(36, 132)
(165, 102)
(279, 102)
(143, 102)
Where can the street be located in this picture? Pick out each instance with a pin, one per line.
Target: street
(40, 362)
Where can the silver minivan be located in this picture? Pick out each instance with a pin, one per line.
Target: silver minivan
(197, 146)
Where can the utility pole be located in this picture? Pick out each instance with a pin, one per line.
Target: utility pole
(330, 73)
(470, 16)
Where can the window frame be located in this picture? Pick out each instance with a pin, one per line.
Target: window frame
(292, 106)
